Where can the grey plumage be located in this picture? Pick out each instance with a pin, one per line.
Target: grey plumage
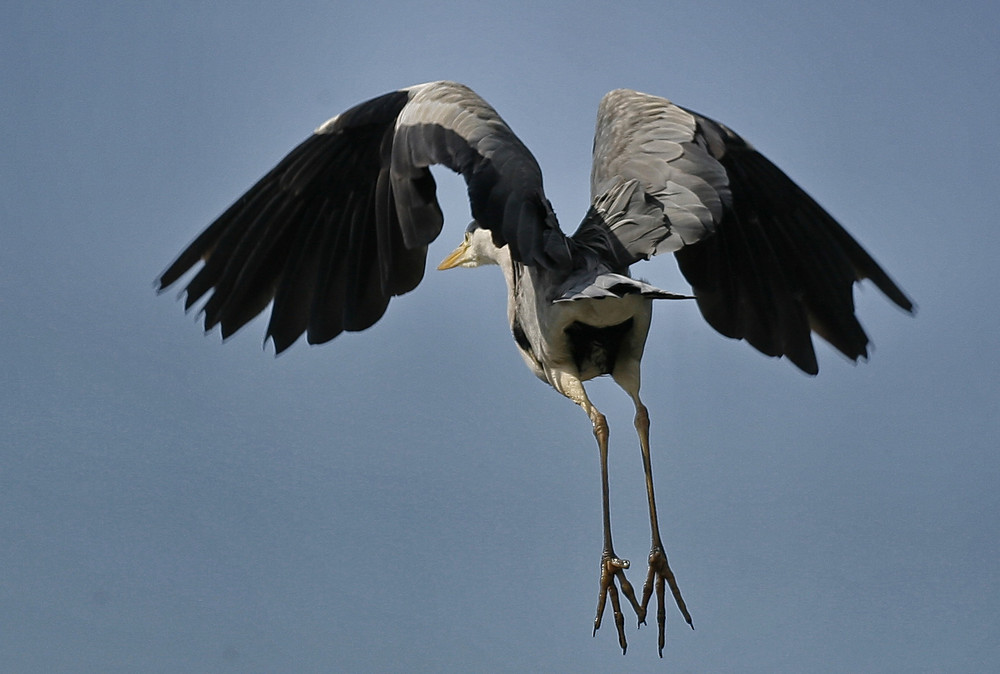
(342, 224)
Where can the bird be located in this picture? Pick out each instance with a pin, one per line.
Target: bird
(342, 224)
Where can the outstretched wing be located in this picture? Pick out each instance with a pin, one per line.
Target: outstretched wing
(766, 262)
(342, 223)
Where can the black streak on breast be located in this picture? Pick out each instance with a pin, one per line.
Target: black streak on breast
(520, 337)
(596, 347)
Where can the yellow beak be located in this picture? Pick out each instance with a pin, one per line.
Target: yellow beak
(456, 258)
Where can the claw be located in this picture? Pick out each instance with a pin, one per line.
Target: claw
(659, 571)
(613, 568)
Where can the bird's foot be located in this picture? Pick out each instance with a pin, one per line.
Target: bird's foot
(659, 571)
(611, 568)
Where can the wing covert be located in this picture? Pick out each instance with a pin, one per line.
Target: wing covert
(684, 189)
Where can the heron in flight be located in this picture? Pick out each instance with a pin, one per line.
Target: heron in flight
(342, 224)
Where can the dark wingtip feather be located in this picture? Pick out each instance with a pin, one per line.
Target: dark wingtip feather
(805, 359)
(159, 287)
(177, 268)
(280, 343)
(893, 291)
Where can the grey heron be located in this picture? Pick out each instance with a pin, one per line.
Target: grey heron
(343, 222)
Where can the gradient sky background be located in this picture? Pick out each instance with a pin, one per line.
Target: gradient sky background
(411, 498)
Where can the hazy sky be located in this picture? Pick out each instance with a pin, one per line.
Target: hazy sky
(411, 498)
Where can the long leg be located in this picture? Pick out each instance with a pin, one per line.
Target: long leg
(659, 568)
(612, 566)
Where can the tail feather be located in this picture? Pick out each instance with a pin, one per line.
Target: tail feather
(616, 285)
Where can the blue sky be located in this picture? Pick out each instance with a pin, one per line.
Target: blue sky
(410, 498)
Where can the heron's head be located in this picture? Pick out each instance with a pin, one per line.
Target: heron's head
(476, 250)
